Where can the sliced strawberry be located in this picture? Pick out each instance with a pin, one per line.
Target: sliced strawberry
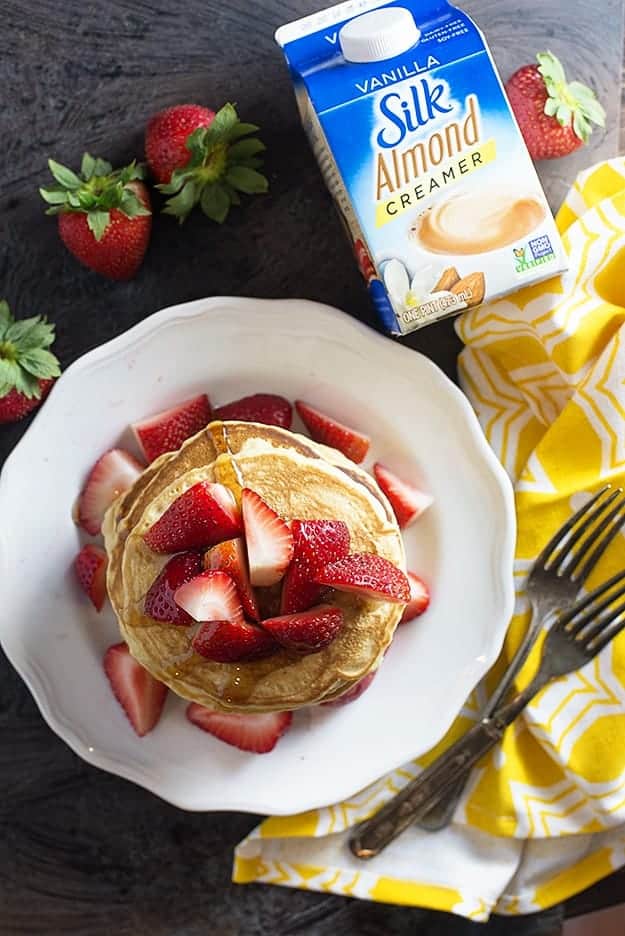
(230, 557)
(315, 544)
(268, 538)
(210, 596)
(256, 733)
(140, 695)
(159, 602)
(204, 515)
(307, 631)
(90, 566)
(112, 474)
(166, 431)
(354, 693)
(419, 598)
(407, 501)
(368, 575)
(233, 642)
(324, 429)
(267, 408)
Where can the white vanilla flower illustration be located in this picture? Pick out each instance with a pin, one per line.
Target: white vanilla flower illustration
(406, 293)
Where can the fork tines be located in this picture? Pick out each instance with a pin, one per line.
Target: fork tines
(591, 530)
(598, 618)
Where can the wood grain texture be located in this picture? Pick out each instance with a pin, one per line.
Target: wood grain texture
(83, 853)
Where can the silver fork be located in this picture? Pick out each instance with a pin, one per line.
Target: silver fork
(554, 582)
(576, 637)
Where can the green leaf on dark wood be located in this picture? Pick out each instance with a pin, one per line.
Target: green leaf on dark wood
(243, 149)
(182, 203)
(215, 203)
(5, 316)
(53, 196)
(87, 166)
(221, 126)
(64, 176)
(235, 198)
(102, 167)
(40, 363)
(247, 180)
(243, 129)
(254, 162)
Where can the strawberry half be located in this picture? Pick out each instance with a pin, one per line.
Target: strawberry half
(104, 215)
(354, 693)
(204, 515)
(367, 574)
(166, 431)
(407, 501)
(230, 557)
(328, 431)
(307, 631)
(90, 566)
(140, 695)
(268, 539)
(210, 596)
(113, 473)
(267, 408)
(159, 602)
(315, 544)
(233, 642)
(419, 598)
(258, 734)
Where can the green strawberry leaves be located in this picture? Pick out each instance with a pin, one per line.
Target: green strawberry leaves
(95, 192)
(24, 355)
(570, 103)
(216, 201)
(224, 161)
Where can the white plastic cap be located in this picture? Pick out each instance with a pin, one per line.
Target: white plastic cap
(381, 34)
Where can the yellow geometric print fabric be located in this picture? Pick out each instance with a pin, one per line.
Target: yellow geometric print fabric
(544, 815)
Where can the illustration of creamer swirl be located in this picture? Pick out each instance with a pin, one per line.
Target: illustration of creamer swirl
(474, 223)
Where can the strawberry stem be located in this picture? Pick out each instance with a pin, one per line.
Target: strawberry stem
(96, 191)
(221, 165)
(571, 103)
(24, 356)
(7, 351)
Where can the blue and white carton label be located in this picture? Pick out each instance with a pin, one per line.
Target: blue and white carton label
(408, 119)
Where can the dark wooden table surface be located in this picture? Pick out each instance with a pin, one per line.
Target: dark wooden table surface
(83, 853)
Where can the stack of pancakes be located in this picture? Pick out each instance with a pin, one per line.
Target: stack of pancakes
(299, 479)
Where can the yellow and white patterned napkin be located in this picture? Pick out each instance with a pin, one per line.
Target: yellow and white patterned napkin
(544, 816)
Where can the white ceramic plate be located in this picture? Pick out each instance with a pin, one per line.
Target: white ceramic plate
(421, 425)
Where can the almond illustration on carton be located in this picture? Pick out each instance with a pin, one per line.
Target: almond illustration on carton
(470, 289)
(448, 279)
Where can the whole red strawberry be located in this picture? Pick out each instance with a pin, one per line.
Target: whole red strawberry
(166, 136)
(555, 118)
(200, 157)
(27, 367)
(104, 215)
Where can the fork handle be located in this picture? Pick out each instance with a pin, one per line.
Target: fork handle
(441, 813)
(418, 796)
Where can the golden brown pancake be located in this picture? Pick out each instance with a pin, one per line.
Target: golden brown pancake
(297, 478)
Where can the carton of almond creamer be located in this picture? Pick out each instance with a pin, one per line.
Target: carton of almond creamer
(408, 119)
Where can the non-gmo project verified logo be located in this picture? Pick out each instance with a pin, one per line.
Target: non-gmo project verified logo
(537, 252)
